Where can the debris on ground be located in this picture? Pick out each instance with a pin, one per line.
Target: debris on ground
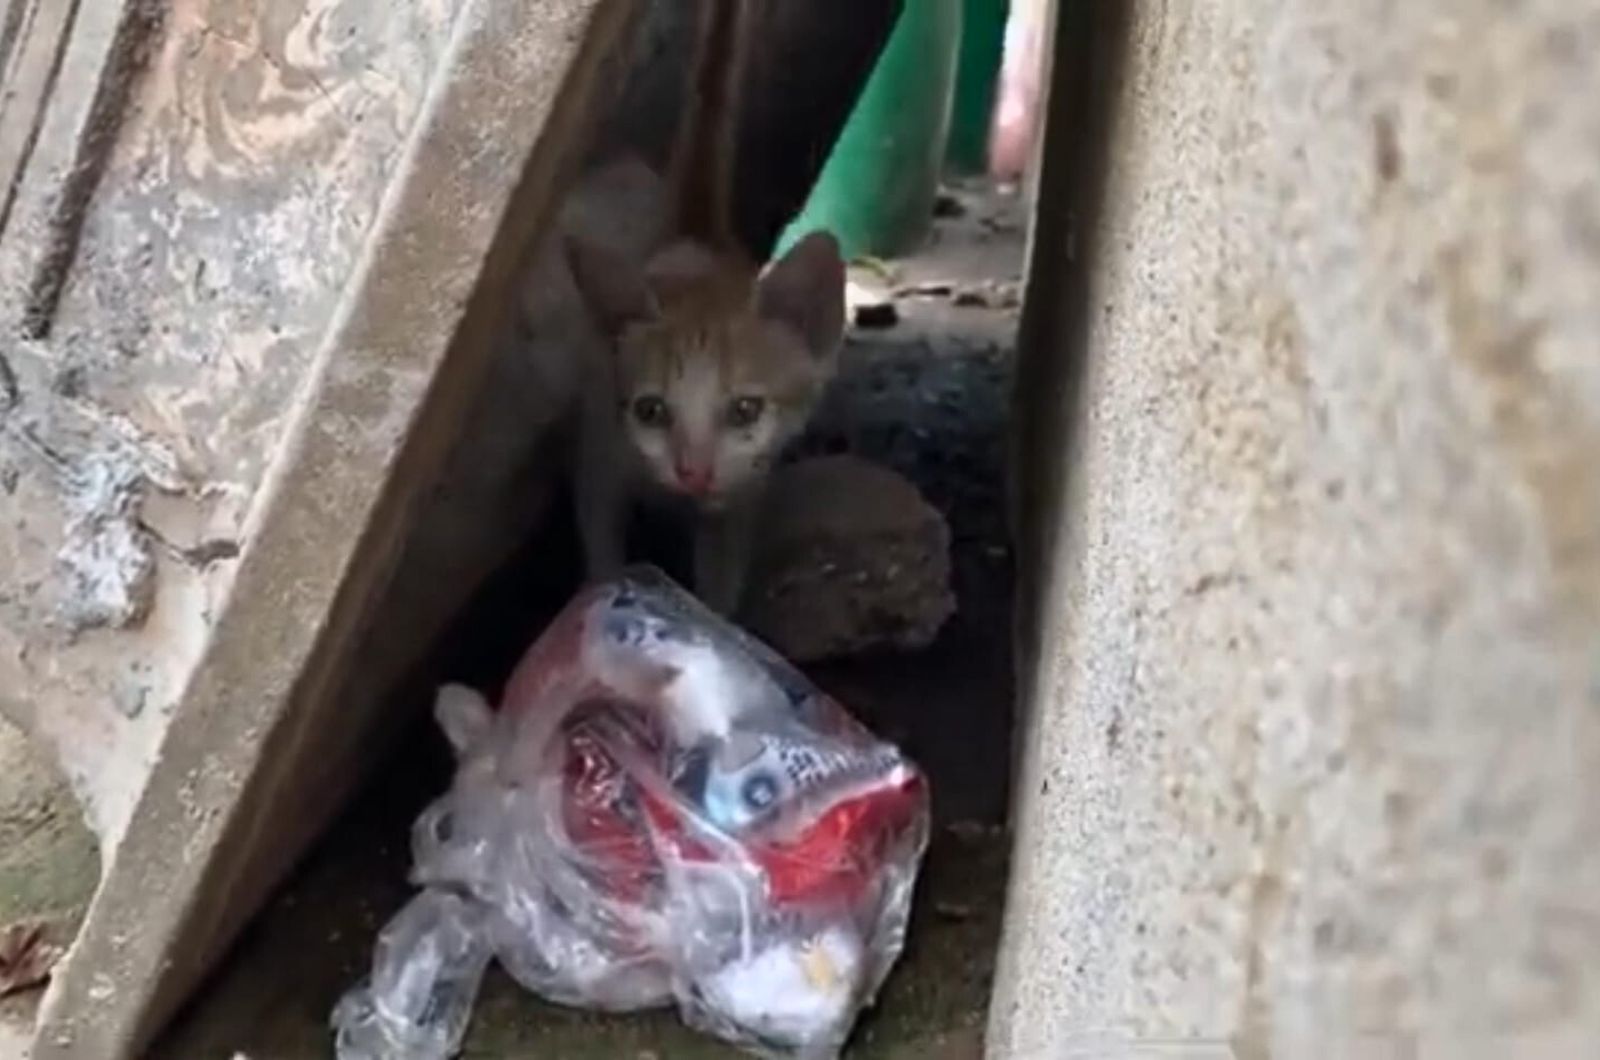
(873, 315)
(26, 956)
(876, 292)
(869, 295)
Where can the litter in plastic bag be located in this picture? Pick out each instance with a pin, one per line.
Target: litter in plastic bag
(661, 812)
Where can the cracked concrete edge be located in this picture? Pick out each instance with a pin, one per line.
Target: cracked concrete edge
(64, 123)
(261, 750)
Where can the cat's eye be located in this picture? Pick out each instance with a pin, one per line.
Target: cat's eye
(744, 411)
(651, 411)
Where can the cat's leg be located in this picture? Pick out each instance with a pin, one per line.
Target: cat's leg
(724, 543)
(601, 496)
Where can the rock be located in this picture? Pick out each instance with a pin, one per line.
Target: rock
(851, 558)
(877, 315)
(870, 302)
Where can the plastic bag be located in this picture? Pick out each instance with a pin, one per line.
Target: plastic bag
(661, 812)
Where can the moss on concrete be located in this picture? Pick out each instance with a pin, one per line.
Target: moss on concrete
(49, 861)
(49, 865)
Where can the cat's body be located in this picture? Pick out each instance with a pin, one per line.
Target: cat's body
(694, 367)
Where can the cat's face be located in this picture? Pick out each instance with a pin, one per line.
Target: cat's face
(709, 404)
(715, 373)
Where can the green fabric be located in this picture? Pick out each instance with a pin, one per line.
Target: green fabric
(876, 191)
(978, 68)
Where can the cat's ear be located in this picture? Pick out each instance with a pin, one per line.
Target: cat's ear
(613, 287)
(804, 290)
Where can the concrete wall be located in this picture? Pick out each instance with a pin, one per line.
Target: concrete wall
(156, 370)
(1314, 748)
(253, 256)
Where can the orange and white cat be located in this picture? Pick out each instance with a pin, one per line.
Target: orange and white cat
(712, 363)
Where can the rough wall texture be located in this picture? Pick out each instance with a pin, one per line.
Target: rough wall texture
(1315, 735)
(247, 167)
(254, 265)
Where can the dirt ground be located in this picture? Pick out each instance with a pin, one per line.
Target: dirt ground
(927, 396)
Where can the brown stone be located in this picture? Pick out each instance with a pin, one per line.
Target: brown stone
(851, 559)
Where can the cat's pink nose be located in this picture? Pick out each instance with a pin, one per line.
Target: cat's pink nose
(693, 478)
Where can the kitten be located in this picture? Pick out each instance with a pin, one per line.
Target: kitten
(713, 365)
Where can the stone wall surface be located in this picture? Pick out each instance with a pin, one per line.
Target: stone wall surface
(147, 381)
(1313, 764)
(255, 257)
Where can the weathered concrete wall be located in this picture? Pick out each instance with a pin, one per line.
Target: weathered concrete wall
(247, 165)
(255, 258)
(1314, 748)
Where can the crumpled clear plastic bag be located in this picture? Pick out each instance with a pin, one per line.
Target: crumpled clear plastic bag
(661, 812)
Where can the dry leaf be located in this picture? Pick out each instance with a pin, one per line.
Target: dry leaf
(26, 956)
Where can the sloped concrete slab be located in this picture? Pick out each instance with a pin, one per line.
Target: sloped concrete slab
(261, 746)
